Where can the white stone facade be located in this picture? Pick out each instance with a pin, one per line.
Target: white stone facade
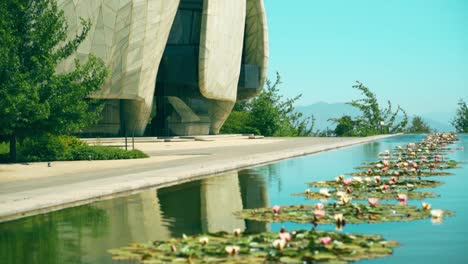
(131, 37)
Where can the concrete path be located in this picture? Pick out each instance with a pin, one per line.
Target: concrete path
(35, 188)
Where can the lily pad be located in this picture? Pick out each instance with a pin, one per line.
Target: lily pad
(409, 184)
(353, 213)
(304, 246)
(391, 194)
(410, 174)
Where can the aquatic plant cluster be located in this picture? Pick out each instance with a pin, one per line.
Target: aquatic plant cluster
(345, 200)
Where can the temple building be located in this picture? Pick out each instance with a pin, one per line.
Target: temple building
(177, 67)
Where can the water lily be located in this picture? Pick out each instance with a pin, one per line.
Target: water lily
(279, 244)
(385, 187)
(437, 213)
(340, 193)
(426, 206)
(285, 236)
(403, 198)
(319, 206)
(173, 248)
(373, 201)
(319, 213)
(347, 181)
(203, 240)
(324, 191)
(276, 209)
(237, 231)
(345, 200)
(325, 240)
(232, 250)
(357, 179)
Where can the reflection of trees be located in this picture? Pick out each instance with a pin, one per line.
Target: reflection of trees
(254, 195)
(371, 149)
(180, 206)
(44, 238)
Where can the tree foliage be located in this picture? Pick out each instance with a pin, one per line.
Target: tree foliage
(269, 114)
(34, 98)
(373, 120)
(418, 125)
(460, 121)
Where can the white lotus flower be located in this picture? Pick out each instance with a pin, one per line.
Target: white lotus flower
(324, 191)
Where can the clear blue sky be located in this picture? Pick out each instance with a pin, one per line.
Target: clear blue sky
(412, 52)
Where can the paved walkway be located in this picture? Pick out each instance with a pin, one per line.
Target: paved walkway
(36, 188)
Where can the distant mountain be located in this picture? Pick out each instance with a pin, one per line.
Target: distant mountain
(323, 111)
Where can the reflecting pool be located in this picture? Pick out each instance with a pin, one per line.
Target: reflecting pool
(83, 234)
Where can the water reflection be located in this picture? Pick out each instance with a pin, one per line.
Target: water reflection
(84, 234)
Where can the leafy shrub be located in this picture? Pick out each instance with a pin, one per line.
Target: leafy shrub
(60, 148)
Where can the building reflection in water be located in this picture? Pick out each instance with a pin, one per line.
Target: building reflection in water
(84, 234)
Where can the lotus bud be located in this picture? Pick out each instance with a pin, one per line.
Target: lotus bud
(377, 179)
(403, 198)
(237, 231)
(319, 206)
(426, 206)
(326, 240)
(341, 177)
(373, 201)
(232, 250)
(203, 240)
(173, 248)
(276, 209)
(307, 191)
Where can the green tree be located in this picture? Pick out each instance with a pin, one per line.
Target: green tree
(460, 121)
(34, 98)
(418, 125)
(269, 114)
(373, 120)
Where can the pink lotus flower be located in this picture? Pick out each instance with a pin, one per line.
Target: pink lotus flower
(326, 240)
(396, 173)
(373, 201)
(285, 236)
(377, 179)
(347, 181)
(319, 213)
(319, 206)
(415, 165)
(385, 187)
(403, 198)
(391, 182)
(394, 179)
(276, 209)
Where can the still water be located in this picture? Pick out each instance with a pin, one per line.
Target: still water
(83, 234)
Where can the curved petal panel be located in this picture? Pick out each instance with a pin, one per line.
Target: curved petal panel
(256, 44)
(223, 23)
(130, 36)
